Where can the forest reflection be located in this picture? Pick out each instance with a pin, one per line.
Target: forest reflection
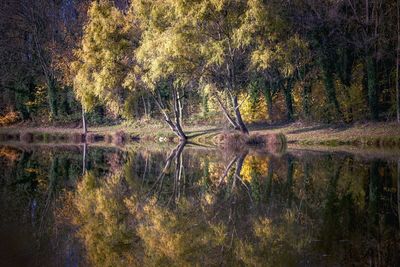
(195, 206)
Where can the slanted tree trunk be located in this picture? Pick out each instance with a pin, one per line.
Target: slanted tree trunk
(226, 113)
(171, 124)
(239, 159)
(178, 114)
(178, 173)
(233, 89)
(175, 126)
(238, 115)
(239, 163)
(176, 153)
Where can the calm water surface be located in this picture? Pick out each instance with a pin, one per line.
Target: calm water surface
(185, 206)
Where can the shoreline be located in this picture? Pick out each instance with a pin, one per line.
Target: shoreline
(376, 134)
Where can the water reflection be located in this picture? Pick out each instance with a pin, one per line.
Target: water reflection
(196, 206)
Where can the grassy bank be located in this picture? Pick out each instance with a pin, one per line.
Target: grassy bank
(382, 134)
(152, 132)
(379, 134)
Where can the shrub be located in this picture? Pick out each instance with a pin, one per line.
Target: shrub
(27, 137)
(9, 153)
(237, 141)
(119, 137)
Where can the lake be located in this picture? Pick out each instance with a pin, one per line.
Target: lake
(188, 205)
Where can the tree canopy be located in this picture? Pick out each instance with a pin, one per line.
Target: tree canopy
(187, 61)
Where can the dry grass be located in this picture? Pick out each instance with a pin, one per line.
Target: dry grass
(382, 134)
(365, 134)
(120, 137)
(235, 141)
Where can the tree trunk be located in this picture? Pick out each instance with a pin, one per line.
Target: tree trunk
(239, 166)
(178, 115)
(177, 129)
(239, 120)
(330, 88)
(268, 181)
(52, 97)
(268, 98)
(179, 171)
(144, 105)
(287, 90)
(346, 59)
(397, 64)
(176, 153)
(289, 180)
(306, 99)
(374, 192)
(149, 105)
(84, 156)
(372, 88)
(84, 124)
(226, 113)
(398, 190)
(204, 105)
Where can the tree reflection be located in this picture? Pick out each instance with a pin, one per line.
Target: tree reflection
(252, 209)
(102, 217)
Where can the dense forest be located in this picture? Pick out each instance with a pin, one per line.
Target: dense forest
(192, 61)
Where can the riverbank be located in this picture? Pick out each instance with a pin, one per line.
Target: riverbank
(379, 134)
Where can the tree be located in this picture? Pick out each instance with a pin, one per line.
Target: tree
(277, 53)
(398, 63)
(109, 70)
(199, 39)
(163, 59)
(102, 59)
(37, 39)
(216, 27)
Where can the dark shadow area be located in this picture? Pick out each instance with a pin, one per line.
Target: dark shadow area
(192, 134)
(310, 129)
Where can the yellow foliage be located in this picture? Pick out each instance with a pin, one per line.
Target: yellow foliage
(254, 167)
(179, 238)
(253, 110)
(353, 100)
(9, 118)
(100, 65)
(102, 217)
